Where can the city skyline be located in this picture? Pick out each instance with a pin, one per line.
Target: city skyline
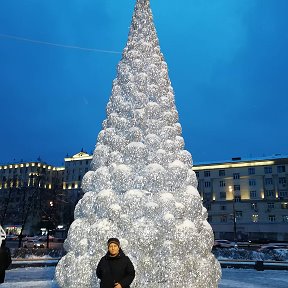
(227, 63)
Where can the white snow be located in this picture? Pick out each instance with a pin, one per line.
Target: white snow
(43, 277)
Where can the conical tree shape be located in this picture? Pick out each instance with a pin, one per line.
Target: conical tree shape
(142, 188)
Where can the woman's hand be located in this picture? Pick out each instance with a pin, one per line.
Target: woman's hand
(117, 285)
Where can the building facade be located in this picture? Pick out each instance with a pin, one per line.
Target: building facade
(27, 193)
(75, 168)
(246, 199)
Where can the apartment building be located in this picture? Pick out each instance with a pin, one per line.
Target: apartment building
(246, 199)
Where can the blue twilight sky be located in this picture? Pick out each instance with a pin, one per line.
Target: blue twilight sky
(227, 62)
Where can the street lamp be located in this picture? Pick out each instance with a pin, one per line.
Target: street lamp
(234, 213)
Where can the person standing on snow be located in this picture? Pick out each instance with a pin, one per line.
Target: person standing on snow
(5, 259)
(115, 269)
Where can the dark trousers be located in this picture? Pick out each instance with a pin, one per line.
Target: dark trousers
(2, 276)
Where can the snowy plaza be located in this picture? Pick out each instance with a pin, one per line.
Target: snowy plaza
(231, 278)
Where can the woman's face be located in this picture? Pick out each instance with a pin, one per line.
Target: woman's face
(113, 249)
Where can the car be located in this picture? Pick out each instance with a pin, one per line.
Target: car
(41, 242)
(11, 237)
(225, 244)
(27, 237)
(33, 243)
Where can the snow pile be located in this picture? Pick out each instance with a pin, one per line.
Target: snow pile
(244, 254)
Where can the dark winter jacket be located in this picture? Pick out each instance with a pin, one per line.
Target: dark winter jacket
(5, 261)
(117, 269)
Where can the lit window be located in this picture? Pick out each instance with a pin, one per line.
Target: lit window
(255, 218)
(284, 205)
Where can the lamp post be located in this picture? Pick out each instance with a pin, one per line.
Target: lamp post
(234, 214)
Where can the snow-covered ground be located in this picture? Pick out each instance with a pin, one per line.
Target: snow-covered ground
(43, 277)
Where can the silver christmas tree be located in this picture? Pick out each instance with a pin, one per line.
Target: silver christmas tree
(141, 187)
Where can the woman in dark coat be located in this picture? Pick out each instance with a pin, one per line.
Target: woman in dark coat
(115, 269)
(5, 259)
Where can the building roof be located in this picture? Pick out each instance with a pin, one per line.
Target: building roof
(239, 161)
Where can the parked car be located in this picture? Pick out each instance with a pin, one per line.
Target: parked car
(11, 237)
(33, 243)
(27, 237)
(225, 244)
(41, 242)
